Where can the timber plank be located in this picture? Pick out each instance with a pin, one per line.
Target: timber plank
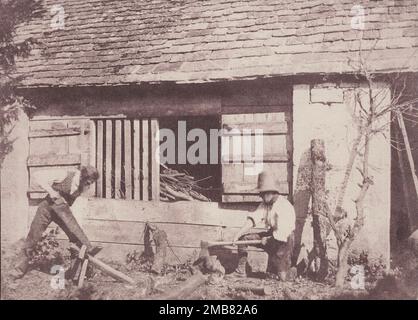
(155, 160)
(118, 158)
(41, 133)
(145, 160)
(41, 160)
(255, 128)
(92, 153)
(184, 212)
(108, 161)
(136, 157)
(99, 159)
(49, 145)
(128, 159)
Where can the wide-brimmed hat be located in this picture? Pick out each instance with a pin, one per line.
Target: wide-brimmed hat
(267, 182)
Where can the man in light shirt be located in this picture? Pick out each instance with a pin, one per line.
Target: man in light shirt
(63, 187)
(277, 215)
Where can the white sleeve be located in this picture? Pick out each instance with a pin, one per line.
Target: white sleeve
(46, 178)
(286, 223)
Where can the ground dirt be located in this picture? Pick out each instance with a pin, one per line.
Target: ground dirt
(37, 285)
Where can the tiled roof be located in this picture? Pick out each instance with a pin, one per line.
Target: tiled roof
(113, 42)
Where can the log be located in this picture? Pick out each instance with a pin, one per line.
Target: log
(185, 290)
(161, 245)
(319, 205)
(107, 269)
(405, 187)
(179, 195)
(408, 151)
(261, 291)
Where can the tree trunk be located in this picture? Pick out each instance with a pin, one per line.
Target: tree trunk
(342, 264)
(319, 206)
(161, 245)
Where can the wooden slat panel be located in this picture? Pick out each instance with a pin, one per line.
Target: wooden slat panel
(53, 160)
(251, 118)
(58, 124)
(136, 156)
(118, 158)
(274, 153)
(155, 161)
(39, 133)
(92, 145)
(128, 160)
(100, 158)
(249, 188)
(240, 198)
(108, 162)
(269, 148)
(92, 154)
(51, 145)
(267, 128)
(191, 213)
(145, 160)
(80, 143)
(235, 180)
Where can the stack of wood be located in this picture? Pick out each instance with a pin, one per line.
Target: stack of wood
(177, 186)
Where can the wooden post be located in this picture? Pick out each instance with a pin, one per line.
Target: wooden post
(108, 159)
(155, 164)
(319, 205)
(145, 160)
(405, 188)
(92, 153)
(118, 158)
(99, 161)
(128, 160)
(408, 150)
(136, 165)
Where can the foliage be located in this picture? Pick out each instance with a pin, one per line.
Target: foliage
(12, 13)
(47, 253)
(374, 269)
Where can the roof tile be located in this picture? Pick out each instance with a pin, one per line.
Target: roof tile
(123, 41)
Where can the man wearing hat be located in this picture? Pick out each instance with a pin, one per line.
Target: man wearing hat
(63, 188)
(277, 215)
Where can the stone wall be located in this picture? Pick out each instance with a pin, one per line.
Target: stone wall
(327, 111)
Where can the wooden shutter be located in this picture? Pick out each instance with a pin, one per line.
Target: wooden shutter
(241, 137)
(57, 143)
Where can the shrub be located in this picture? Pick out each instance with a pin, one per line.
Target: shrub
(47, 253)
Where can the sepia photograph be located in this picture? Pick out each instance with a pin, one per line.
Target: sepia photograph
(216, 152)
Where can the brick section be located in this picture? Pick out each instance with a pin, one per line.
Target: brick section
(116, 42)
